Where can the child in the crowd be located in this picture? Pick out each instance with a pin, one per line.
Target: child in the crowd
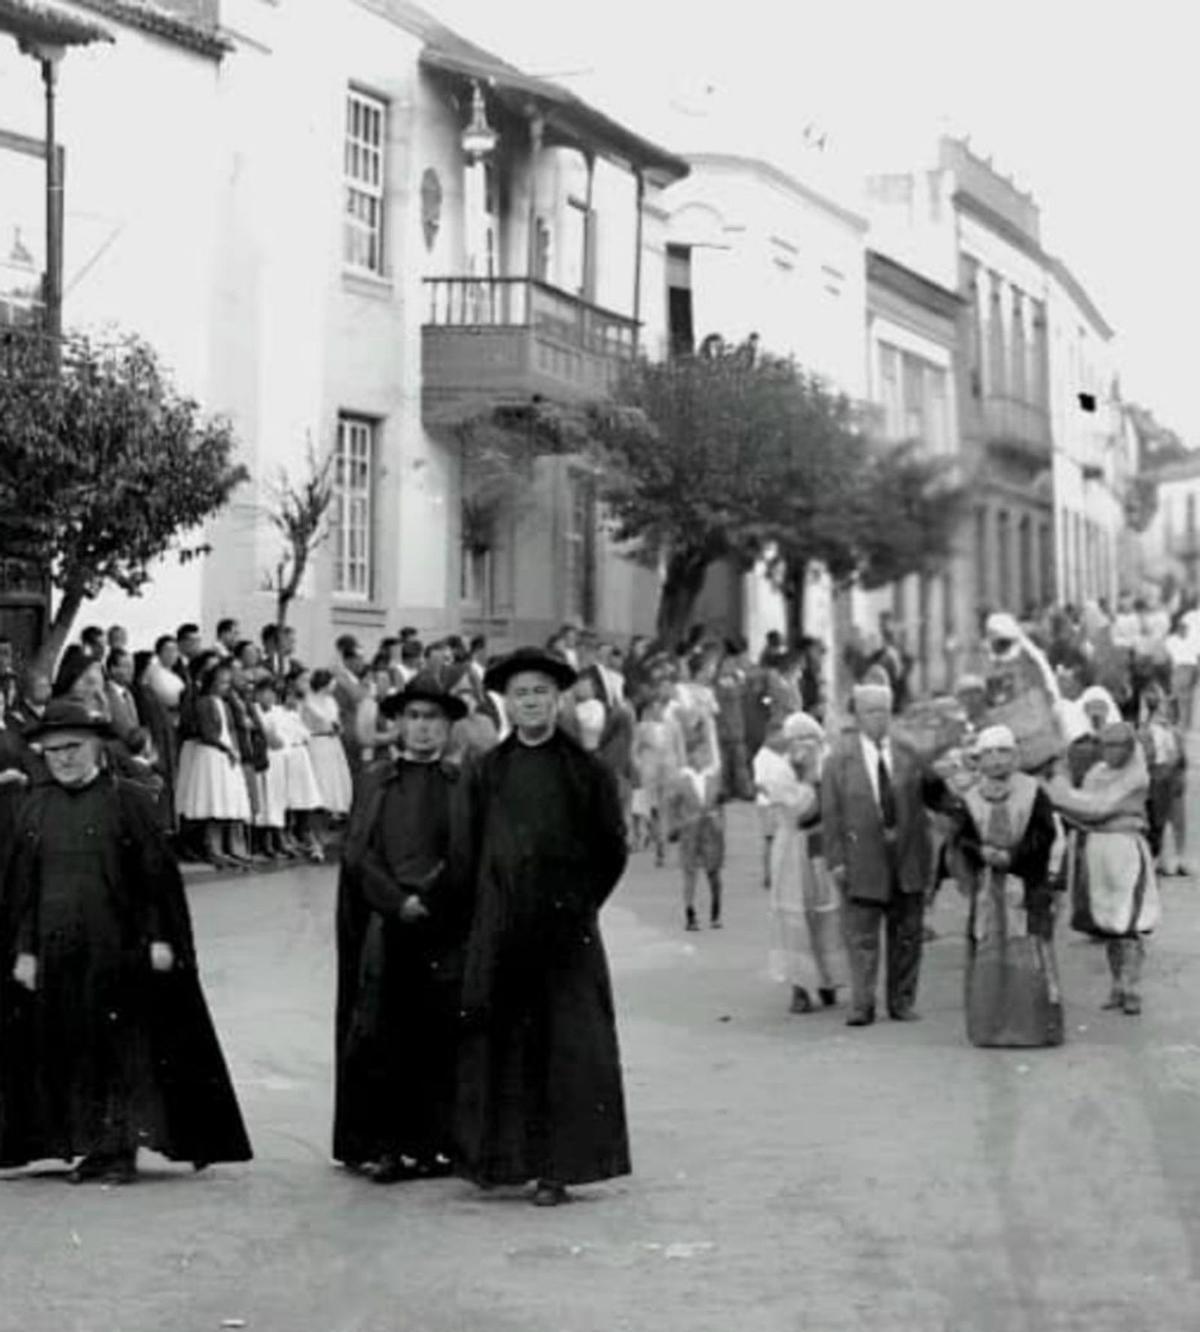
(1166, 755)
(304, 798)
(658, 758)
(212, 788)
(272, 806)
(142, 765)
(698, 817)
(319, 712)
(589, 714)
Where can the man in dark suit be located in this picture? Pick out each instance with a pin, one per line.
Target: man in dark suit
(878, 848)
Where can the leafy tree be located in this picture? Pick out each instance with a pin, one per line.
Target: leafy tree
(739, 455)
(104, 467)
(689, 450)
(299, 511)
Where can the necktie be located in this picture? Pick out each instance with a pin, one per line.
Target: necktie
(887, 796)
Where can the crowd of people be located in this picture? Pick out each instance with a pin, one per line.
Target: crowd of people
(485, 807)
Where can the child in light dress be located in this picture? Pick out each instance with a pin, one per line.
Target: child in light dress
(657, 759)
(698, 819)
(320, 713)
(285, 726)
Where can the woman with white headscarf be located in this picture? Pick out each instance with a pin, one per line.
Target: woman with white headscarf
(1005, 842)
(1114, 883)
(805, 912)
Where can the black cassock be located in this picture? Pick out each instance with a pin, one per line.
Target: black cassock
(399, 982)
(540, 1088)
(105, 1054)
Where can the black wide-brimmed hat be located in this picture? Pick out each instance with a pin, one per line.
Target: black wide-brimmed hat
(65, 714)
(533, 659)
(424, 688)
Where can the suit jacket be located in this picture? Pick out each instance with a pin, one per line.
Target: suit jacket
(853, 829)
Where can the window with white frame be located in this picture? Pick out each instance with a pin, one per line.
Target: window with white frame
(352, 509)
(891, 395)
(363, 171)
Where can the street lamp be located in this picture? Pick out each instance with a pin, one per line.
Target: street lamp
(478, 139)
(44, 31)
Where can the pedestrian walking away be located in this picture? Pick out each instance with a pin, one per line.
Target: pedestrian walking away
(540, 1087)
(105, 1038)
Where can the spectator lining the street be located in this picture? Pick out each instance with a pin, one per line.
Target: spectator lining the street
(212, 787)
(320, 713)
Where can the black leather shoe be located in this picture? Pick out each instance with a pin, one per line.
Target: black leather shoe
(861, 1018)
(828, 997)
(801, 1000)
(548, 1194)
(395, 1170)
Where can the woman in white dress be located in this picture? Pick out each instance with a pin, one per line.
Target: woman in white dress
(804, 904)
(212, 787)
(320, 713)
(294, 772)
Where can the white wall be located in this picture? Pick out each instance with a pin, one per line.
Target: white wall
(140, 175)
(774, 257)
(1084, 359)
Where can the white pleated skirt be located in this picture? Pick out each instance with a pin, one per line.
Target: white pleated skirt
(210, 786)
(333, 773)
(301, 791)
(272, 792)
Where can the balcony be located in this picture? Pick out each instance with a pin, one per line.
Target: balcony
(1011, 425)
(505, 339)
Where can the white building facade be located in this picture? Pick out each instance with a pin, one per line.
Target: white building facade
(319, 250)
(754, 249)
(1091, 446)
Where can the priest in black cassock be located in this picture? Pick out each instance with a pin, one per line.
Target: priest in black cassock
(404, 907)
(540, 1092)
(106, 1043)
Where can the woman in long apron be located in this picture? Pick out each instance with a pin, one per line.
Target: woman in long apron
(1008, 832)
(805, 914)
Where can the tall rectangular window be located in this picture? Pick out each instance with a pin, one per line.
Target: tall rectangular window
(352, 510)
(891, 392)
(363, 172)
(580, 549)
(915, 426)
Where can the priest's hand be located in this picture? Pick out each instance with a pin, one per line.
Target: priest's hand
(413, 910)
(13, 777)
(162, 956)
(25, 971)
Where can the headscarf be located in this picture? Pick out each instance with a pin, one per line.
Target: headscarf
(995, 737)
(1097, 694)
(799, 726)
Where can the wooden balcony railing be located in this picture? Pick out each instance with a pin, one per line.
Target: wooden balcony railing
(522, 302)
(505, 339)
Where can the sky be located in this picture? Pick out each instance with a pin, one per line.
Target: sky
(1091, 104)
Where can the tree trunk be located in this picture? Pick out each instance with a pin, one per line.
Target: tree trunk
(60, 630)
(680, 591)
(795, 582)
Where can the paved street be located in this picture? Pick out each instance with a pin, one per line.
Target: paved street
(791, 1175)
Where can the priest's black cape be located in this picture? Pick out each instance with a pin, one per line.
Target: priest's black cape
(540, 1087)
(103, 1033)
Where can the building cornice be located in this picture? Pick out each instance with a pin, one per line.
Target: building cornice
(967, 203)
(1078, 293)
(912, 286)
(148, 17)
(783, 179)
